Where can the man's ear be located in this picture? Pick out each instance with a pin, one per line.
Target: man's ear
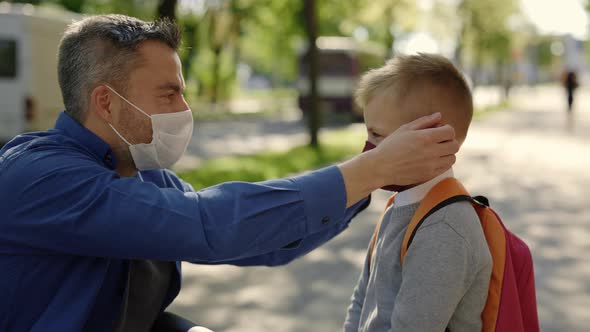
(102, 103)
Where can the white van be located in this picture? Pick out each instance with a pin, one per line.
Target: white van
(30, 98)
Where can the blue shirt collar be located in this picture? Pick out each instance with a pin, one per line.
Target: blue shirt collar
(73, 129)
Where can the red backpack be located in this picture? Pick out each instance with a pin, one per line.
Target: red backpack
(511, 304)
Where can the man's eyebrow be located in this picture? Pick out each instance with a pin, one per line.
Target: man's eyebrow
(171, 86)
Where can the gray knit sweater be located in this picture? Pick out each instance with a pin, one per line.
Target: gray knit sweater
(444, 280)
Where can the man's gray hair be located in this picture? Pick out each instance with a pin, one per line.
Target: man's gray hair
(103, 49)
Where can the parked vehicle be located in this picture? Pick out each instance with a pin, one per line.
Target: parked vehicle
(30, 98)
(341, 62)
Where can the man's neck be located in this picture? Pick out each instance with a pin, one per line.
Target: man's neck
(126, 171)
(124, 163)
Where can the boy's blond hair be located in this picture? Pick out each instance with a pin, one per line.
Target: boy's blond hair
(406, 75)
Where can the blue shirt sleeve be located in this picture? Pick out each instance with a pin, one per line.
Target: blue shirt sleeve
(301, 247)
(293, 250)
(61, 202)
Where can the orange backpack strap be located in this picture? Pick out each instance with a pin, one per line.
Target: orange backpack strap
(376, 231)
(446, 192)
(496, 239)
(449, 191)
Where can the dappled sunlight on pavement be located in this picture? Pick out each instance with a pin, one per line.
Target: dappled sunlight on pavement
(533, 165)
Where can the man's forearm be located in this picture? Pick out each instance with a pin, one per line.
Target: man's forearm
(359, 178)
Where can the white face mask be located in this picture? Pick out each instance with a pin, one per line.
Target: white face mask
(171, 133)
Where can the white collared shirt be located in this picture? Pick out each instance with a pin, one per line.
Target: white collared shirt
(417, 193)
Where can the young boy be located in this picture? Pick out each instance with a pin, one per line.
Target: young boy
(446, 272)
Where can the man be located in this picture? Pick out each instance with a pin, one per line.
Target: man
(93, 226)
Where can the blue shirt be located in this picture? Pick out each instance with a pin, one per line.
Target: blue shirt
(69, 224)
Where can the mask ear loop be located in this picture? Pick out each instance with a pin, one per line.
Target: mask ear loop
(128, 102)
(120, 136)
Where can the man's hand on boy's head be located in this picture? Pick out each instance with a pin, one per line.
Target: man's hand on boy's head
(414, 153)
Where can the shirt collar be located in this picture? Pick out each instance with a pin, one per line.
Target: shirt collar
(417, 193)
(86, 138)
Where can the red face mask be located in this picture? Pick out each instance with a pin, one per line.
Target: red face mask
(391, 187)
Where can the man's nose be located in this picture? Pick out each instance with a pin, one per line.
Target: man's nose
(185, 105)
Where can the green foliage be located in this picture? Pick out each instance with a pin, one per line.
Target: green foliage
(265, 34)
(145, 10)
(544, 56)
(480, 113)
(202, 71)
(73, 5)
(335, 16)
(268, 165)
(587, 6)
(271, 36)
(485, 28)
(268, 35)
(380, 17)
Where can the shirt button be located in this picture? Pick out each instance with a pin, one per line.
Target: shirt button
(325, 220)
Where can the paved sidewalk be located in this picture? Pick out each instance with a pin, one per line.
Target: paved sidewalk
(532, 162)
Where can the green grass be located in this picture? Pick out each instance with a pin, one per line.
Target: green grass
(266, 93)
(482, 112)
(226, 115)
(336, 146)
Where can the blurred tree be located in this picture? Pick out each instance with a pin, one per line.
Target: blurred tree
(34, 2)
(217, 36)
(72, 5)
(587, 6)
(270, 38)
(188, 51)
(543, 58)
(311, 28)
(386, 18)
(141, 9)
(484, 33)
(219, 25)
(167, 9)
(334, 15)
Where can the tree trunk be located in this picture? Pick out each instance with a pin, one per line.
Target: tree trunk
(216, 76)
(72, 5)
(167, 9)
(389, 38)
(190, 32)
(477, 69)
(310, 18)
(458, 54)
